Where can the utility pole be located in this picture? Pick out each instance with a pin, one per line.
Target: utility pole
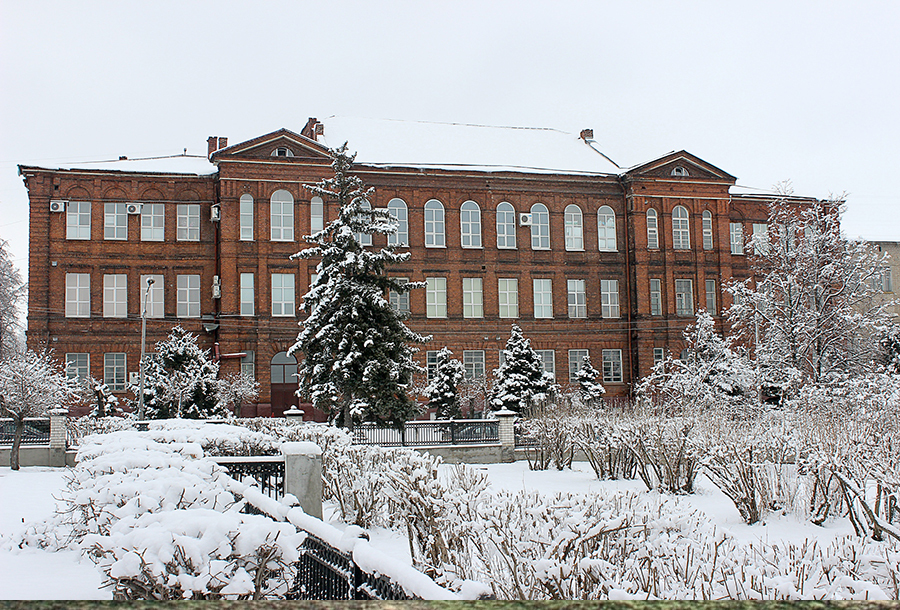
(140, 413)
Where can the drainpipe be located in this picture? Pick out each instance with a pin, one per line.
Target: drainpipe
(628, 290)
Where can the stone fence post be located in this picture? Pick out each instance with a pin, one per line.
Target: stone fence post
(58, 437)
(303, 475)
(507, 433)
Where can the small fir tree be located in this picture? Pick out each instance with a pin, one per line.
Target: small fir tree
(358, 354)
(443, 390)
(590, 390)
(521, 379)
(106, 403)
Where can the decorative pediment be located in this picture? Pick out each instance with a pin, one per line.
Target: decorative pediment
(680, 165)
(283, 145)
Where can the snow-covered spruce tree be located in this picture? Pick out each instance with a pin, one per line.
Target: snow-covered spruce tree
(358, 354)
(31, 385)
(12, 292)
(521, 380)
(811, 305)
(443, 390)
(590, 390)
(180, 380)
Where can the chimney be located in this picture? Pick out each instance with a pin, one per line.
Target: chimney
(223, 143)
(312, 128)
(212, 145)
(586, 134)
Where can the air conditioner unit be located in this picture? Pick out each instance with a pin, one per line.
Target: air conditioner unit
(133, 208)
(134, 377)
(58, 205)
(215, 214)
(217, 287)
(525, 219)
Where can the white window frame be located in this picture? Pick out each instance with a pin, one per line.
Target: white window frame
(470, 225)
(435, 297)
(114, 371)
(655, 297)
(473, 362)
(316, 215)
(246, 213)
(506, 226)
(188, 222)
(659, 354)
(78, 220)
(473, 297)
(364, 239)
(885, 280)
(399, 300)
(707, 230)
(156, 300)
(283, 295)
(115, 221)
(609, 298)
(543, 297)
(248, 364)
(248, 294)
(574, 223)
(577, 298)
(153, 222)
(281, 215)
(606, 229)
(711, 298)
(548, 360)
(684, 297)
(652, 229)
(540, 227)
(681, 228)
(736, 231)
(115, 295)
(188, 296)
(78, 365)
(612, 365)
(576, 362)
(508, 297)
(398, 209)
(431, 362)
(761, 237)
(78, 295)
(435, 235)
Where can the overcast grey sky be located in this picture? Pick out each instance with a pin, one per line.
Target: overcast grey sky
(766, 90)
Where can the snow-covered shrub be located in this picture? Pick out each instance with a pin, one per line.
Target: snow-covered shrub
(667, 451)
(550, 429)
(81, 427)
(602, 438)
(215, 438)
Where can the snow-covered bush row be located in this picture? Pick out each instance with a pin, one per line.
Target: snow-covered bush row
(81, 427)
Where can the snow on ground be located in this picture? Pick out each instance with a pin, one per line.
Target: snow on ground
(35, 574)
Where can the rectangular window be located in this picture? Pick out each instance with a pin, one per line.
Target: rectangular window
(473, 361)
(577, 299)
(154, 301)
(711, 298)
(431, 359)
(78, 220)
(543, 298)
(114, 371)
(737, 238)
(188, 222)
(436, 297)
(78, 295)
(188, 296)
(115, 296)
(153, 222)
(78, 366)
(659, 354)
(248, 295)
(886, 280)
(655, 297)
(115, 223)
(473, 299)
(508, 297)
(576, 360)
(548, 360)
(248, 364)
(684, 297)
(282, 295)
(400, 300)
(246, 217)
(609, 298)
(761, 237)
(612, 366)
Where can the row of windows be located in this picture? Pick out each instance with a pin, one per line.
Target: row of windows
(681, 234)
(115, 221)
(473, 361)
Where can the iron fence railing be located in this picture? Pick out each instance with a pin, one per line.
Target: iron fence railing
(37, 431)
(428, 433)
(266, 470)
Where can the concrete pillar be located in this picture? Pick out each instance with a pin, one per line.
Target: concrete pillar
(58, 437)
(303, 475)
(507, 430)
(294, 415)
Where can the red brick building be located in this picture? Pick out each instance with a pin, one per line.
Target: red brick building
(527, 226)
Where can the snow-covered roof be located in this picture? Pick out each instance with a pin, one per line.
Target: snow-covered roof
(464, 146)
(174, 164)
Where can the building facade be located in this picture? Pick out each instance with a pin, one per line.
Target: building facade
(612, 263)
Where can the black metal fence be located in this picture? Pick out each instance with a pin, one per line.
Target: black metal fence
(267, 471)
(427, 433)
(326, 573)
(37, 431)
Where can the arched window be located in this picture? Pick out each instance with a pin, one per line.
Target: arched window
(707, 230)
(281, 207)
(364, 239)
(681, 235)
(282, 151)
(246, 217)
(434, 224)
(470, 225)
(652, 230)
(316, 215)
(574, 228)
(606, 229)
(506, 226)
(680, 172)
(540, 227)
(284, 368)
(397, 209)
